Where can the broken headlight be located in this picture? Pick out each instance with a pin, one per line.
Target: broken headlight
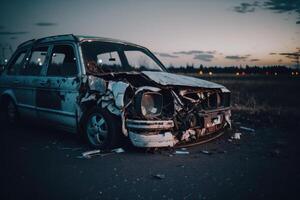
(149, 104)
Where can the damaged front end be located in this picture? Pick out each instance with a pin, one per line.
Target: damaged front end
(181, 115)
(161, 114)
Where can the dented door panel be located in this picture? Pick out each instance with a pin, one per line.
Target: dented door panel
(56, 100)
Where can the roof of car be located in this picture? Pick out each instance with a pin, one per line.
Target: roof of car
(75, 38)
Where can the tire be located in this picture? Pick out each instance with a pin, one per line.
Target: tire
(11, 114)
(101, 129)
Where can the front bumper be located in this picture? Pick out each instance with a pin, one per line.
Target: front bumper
(160, 133)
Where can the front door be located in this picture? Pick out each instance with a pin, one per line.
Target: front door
(57, 93)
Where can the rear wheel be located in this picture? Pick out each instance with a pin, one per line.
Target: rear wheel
(11, 112)
(102, 129)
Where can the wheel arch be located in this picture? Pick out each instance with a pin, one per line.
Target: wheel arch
(6, 95)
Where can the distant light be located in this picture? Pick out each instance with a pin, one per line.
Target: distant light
(267, 73)
(237, 74)
(5, 60)
(39, 60)
(292, 73)
(243, 73)
(296, 73)
(200, 72)
(275, 73)
(210, 73)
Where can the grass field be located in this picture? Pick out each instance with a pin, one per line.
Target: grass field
(264, 97)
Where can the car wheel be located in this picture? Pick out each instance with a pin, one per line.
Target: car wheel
(11, 112)
(102, 129)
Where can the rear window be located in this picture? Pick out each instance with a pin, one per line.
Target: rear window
(16, 64)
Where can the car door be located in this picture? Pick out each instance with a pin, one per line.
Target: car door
(29, 76)
(57, 93)
(19, 88)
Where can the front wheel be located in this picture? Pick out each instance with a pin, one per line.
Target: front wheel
(102, 129)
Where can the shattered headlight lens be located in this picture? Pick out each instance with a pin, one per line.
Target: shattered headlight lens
(150, 104)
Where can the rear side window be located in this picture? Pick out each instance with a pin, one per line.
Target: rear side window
(16, 64)
(36, 62)
(63, 61)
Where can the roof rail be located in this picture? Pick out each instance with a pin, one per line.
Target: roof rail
(50, 39)
(57, 38)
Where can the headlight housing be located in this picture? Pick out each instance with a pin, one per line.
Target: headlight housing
(149, 104)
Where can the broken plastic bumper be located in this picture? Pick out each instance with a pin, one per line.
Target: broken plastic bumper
(140, 133)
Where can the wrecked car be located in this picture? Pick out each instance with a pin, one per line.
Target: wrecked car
(108, 90)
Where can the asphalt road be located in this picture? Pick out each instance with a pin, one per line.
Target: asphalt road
(43, 163)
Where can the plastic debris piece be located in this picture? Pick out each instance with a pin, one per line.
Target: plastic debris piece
(159, 176)
(247, 129)
(89, 154)
(206, 152)
(118, 150)
(181, 152)
(236, 136)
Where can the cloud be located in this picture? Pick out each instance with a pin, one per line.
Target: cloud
(13, 33)
(193, 52)
(188, 52)
(166, 55)
(279, 6)
(204, 57)
(237, 57)
(282, 6)
(246, 7)
(280, 60)
(254, 60)
(272, 53)
(45, 24)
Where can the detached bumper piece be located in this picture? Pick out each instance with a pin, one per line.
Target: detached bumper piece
(162, 133)
(148, 133)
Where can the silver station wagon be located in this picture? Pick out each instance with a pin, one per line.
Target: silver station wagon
(108, 90)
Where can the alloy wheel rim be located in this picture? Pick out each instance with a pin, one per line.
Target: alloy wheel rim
(97, 129)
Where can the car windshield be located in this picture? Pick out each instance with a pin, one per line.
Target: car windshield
(106, 57)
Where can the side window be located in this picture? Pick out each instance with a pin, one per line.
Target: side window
(62, 62)
(16, 64)
(36, 62)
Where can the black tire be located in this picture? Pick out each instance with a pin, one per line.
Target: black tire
(114, 137)
(11, 114)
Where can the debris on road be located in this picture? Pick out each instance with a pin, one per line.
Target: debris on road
(236, 136)
(206, 152)
(90, 154)
(181, 152)
(118, 150)
(159, 176)
(247, 129)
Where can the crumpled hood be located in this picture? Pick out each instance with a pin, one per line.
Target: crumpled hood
(165, 78)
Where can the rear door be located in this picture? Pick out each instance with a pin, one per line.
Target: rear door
(57, 93)
(15, 82)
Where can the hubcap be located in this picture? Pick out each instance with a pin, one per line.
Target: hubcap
(97, 129)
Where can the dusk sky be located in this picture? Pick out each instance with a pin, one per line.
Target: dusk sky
(180, 32)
